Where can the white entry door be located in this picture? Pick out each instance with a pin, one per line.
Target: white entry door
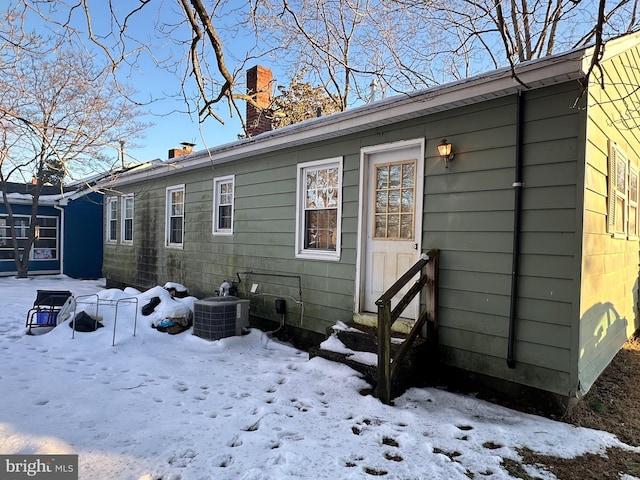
(392, 221)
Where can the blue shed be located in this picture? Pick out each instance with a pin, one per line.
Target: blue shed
(69, 225)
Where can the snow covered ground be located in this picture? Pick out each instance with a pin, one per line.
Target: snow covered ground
(159, 406)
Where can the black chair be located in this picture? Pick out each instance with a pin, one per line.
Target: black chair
(44, 312)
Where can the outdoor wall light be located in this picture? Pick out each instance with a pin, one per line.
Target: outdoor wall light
(445, 152)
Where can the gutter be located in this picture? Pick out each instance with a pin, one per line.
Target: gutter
(495, 84)
(517, 213)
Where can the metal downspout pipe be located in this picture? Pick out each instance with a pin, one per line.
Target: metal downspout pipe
(517, 213)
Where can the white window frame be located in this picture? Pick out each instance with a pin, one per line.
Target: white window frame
(219, 202)
(125, 199)
(633, 204)
(168, 215)
(110, 218)
(618, 204)
(37, 252)
(313, 253)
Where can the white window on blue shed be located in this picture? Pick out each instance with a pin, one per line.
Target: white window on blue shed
(112, 219)
(45, 245)
(127, 219)
(223, 196)
(175, 216)
(319, 209)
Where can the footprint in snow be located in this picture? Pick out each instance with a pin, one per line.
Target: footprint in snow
(183, 458)
(234, 442)
(223, 461)
(181, 387)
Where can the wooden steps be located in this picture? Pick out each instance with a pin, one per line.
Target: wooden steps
(356, 346)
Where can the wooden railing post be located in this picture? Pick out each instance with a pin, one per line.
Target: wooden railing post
(384, 353)
(386, 318)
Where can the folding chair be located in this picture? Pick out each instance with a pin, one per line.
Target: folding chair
(44, 312)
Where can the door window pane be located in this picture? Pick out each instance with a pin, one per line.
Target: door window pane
(395, 194)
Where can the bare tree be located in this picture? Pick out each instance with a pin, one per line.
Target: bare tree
(499, 33)
(335, 42)
(343, 45)
(58, 113)
(300, 101)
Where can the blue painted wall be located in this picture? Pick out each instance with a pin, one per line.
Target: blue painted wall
(83, 237)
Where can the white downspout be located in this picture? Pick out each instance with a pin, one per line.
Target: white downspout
(62, 203)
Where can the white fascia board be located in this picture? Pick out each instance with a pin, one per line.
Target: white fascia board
(535, 74)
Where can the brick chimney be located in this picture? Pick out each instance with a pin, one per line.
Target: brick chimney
(178, 152)
(259, 85)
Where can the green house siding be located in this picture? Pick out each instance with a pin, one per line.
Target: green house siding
(468, 214)
(609, 282)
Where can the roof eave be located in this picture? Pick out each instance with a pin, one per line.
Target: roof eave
(536, 74)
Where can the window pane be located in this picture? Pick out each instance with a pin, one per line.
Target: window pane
(382, 177)
(128, 229)
(224, 217)
(393, 197)
(407, 200)
(47, 233)
(621, 177)
(381, 226)
(177, 203)
(620, 214)
(48, 222)
(394, 201)
(406, 227)
(381, 202)
(633, 221)
(175, 232)
(395, 176)
(321, 229)
(393, 226)
(408, 175)
(128, 207)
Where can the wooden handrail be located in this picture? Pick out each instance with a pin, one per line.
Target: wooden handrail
(388, 367)
(403, 280)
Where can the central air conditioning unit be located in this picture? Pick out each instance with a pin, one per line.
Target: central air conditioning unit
(219, 317)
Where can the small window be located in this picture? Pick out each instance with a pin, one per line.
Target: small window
(127, 219)
(45, 244)
(319, 209)
(633, 202)
(223, 197)
(175, 216)
(618, 201)
(112, 219)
